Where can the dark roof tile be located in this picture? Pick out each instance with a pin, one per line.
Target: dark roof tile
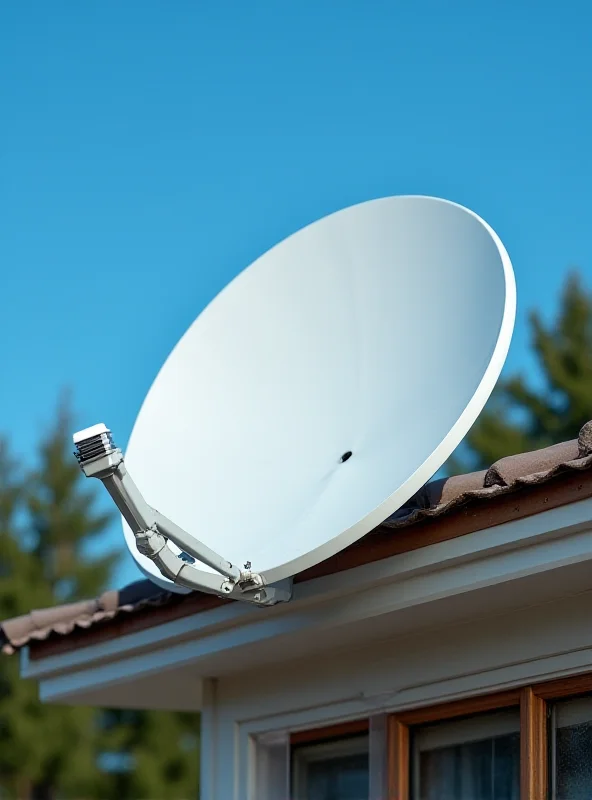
(39, 624)
(507, 471)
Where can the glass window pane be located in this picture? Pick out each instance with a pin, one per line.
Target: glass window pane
(336, 770)
(572, 756)
(473, 759)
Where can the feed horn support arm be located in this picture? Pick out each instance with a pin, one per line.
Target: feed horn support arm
(100, 458)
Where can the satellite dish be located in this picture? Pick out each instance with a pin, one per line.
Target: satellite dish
(325, 384)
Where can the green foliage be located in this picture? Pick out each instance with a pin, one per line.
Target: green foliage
(36, 741)
(520, 417)
(48, 517)
(163, 748)
(63, 520)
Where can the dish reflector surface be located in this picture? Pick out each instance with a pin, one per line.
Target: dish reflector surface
(378, 331)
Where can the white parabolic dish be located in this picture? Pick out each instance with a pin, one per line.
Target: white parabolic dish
(379, 330)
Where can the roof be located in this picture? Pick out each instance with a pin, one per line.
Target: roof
(543, 479)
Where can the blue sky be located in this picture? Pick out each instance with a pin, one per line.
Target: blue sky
(149, 151)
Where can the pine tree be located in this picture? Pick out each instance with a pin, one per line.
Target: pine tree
(45, 749)
(63, 519)
(48, 517)
(520, 417)
(15, 573)
(157, 753)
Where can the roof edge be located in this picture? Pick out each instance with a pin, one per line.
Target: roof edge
(523, 501)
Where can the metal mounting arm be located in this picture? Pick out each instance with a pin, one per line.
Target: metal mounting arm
(100, 458)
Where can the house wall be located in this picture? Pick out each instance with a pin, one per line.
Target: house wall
(485, 611)
(482, 655)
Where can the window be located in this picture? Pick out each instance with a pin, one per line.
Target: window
(331, 770)
(571, 749)
(470, 759)
(529, 743)
(345, 761)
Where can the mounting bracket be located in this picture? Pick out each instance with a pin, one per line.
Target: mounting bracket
(100, 458)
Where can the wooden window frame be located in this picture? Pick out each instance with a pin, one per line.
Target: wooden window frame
(532, 701)
(316, 735)
(401, 725)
